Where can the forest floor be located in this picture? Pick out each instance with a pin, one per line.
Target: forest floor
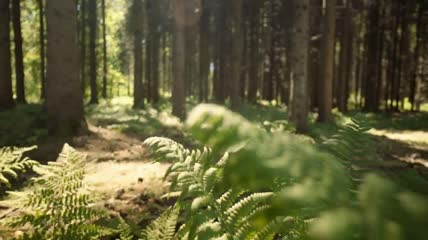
(129, 184)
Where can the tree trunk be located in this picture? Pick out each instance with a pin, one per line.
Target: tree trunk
(103, 10)
(234, 25)
(345, 59)
(6, 94)
(373, 54)
(63, 90)
(414, 96)
(155, 50)
(83, 22)
(19, 58)
(299, 65)
(42, 49)
(137, 15)
(204, 54)
(93, 18)
(326, 86)
(179, 58)
(254, 52)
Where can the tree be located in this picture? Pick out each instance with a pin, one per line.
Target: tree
(103, 11)
(83, 32)
(6, 94)
(179, 57)
(42, 48)
(345, 59)
(19, 58)
(63, 90)
(137, 23)
(298, 54)
(234, 26)
(374, 53)
(325, 103)
(93, 18)
(204, 51)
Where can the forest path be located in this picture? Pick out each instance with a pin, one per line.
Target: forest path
(119, 173)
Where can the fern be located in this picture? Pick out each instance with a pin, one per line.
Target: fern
(354, 148)
(163, 228)
(226, 197)
(274, 185)
(13, 163)
(60, 208)
(195, 177)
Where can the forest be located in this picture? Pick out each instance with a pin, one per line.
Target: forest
(214, 119)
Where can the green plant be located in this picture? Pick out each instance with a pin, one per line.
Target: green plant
(13, 163)
(59, 207)
(237, 195)
(281, 186)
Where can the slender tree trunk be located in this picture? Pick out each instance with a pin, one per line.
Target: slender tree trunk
(19, 58)
(42, 49)
(236, 51)
(254, 50)
(103, 11)
(326, 86)
(6, 94)
(204, 54)
(179, 58)
(156, 38)
(137, 15)
(63, 90)
(371, 103)
(345, 56)
(93, 19)
(414, 95)
(299, 65)
(83, 32)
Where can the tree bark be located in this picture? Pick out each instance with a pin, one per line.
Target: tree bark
(137, 15)
(234, 25)
(63, 88)
(19, 58)
(6, 94)
(83, 32)
(103, 12)
(204, 54)
(299, 65)
(327, 71)
(42, 49)
(179, 58)
(93, 18)
(345, 60)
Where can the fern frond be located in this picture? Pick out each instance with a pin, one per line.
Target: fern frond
(13, 163)
(164, 227)
(60, 206)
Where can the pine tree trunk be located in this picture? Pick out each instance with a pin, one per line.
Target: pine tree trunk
(179, 58)
(93, 19)
(19, 58)
(414, 96)
(156, 38)
(42, 49)
(83, 32)
(103, 11)
(345, 57)
(371, 103)
(299, 65)
(137, 15)
(254, 51)
(326, 86)
(63, 90)
(6, 94)
(204, 54)
(236, 52)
